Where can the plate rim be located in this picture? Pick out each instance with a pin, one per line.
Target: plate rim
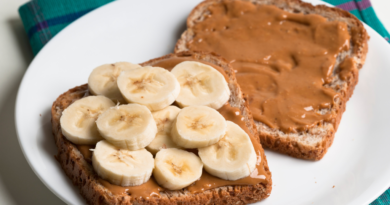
(21, 86)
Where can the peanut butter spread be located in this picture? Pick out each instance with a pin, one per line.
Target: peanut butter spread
(206, 181)
(284, 61)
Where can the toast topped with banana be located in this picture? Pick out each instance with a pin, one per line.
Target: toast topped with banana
(179, 133)
(298, 64)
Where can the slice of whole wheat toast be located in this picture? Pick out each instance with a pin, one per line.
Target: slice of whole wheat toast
(81, 172)
(313, 143)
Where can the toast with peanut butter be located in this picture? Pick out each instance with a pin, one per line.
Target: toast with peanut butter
(297, 63)
(75, 159)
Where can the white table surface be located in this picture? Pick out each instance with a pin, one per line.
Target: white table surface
(18, 183)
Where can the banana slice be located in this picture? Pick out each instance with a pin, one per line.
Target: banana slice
(176, 169)
(120, 166)
(129, 126)
(200, 84)
(78, 120)
(103, 80)
(198, 126)
(153, 87)
(233, 157)
(164, 119)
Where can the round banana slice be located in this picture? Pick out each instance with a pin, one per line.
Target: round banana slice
(200, 84)
(78, 120)
(198, 126)
(120, 166)
(233, 157)
(154, 87)
(176, 169)
(129, 126)
(164, 119)
(103, 80)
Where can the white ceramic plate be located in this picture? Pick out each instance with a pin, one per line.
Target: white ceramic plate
(357, 164)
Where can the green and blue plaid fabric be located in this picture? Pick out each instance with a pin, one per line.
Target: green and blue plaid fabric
(363, 10)
(43, 19)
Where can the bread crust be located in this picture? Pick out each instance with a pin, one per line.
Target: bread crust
(83, 176)
(287, 143)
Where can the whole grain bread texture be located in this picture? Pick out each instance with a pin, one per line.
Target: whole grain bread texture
(85, 178)
(311, 144)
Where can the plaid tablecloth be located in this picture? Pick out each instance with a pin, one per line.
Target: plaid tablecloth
(43, 19)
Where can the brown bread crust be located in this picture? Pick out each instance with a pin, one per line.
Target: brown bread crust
(83, 176)
(291, 144)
